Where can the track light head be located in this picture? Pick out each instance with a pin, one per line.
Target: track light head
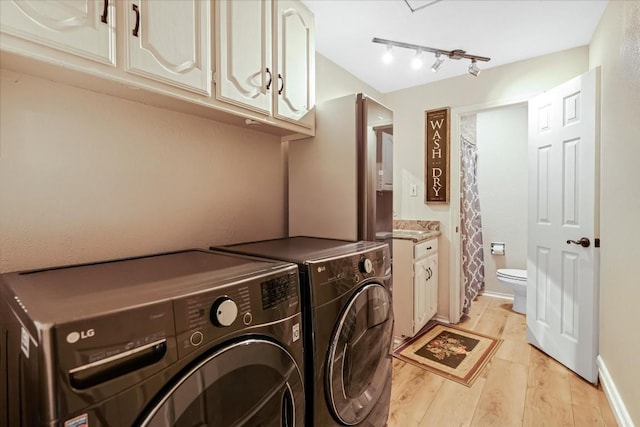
(417, 62)
(436, 65)
(387, 58)
(473, 67)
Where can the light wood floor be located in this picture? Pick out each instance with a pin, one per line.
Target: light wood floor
(520, 387)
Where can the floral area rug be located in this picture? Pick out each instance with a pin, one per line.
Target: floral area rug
(454, 353)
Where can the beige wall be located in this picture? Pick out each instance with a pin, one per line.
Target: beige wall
(500, 85)
(616, 49)
(85, 177)
(333, 81)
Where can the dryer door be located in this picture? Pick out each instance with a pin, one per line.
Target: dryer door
(359, 361)
(253, 382)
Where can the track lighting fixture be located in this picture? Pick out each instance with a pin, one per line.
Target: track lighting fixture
(436, 65)
(473, 68)
(440, 53)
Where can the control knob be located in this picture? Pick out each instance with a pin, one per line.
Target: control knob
(366, 266)
(223, 312)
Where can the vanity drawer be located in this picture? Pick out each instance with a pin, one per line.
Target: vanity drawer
(425, 249)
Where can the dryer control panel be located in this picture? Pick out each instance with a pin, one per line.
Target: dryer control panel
(212, 314)
(333, 277)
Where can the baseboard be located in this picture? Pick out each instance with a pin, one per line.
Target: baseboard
(615, 401)
(442, 319)
(498, 295)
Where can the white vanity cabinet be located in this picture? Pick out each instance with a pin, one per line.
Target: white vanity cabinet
(84, 28)
(415, 284)
(170, 41)
(266, 58)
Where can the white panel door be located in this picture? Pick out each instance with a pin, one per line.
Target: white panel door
(244, 71)
(169, 41)
(562, 285)
(82, 27)
(295, 52)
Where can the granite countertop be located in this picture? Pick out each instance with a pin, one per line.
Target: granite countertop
(416, 230)
(416, 236)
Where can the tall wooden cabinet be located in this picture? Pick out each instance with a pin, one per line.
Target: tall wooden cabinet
(415, 285)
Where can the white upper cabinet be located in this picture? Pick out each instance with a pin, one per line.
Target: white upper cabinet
(295, 59)
(264, 55)
(84, 28)
(169, 41)
(266, 58)
(245, 73)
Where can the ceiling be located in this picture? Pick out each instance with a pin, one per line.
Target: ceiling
(505, 31)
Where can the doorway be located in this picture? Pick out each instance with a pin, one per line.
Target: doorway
(497, 137)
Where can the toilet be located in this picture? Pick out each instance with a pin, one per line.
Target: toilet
(516, 280)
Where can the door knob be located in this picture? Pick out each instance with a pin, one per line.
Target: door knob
(584, 242)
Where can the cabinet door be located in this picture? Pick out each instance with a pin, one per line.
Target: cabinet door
(421, 295)
(294, 85)
(81, 27)
(169, 41)
(432, 274)
(244, 71)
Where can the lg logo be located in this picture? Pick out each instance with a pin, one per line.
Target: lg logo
(74, 337)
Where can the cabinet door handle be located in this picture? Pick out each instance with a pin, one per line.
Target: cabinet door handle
(282, 84)
(105, 12)
(137, 27)
(270, 79)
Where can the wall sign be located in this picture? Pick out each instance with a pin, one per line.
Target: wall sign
(436, 156)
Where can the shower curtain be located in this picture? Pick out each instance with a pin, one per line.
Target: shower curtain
(472, 252)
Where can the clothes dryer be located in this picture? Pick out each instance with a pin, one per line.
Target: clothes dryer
(180, 339)
(348, 325)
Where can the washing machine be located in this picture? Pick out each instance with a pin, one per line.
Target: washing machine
(347, 324)
(189, 338)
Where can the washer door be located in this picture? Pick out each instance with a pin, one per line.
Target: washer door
(251, 383)
(359, 361)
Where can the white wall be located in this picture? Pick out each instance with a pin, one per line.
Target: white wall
(500, 85)
(86, 176)
(502, 184)
(615, 48)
